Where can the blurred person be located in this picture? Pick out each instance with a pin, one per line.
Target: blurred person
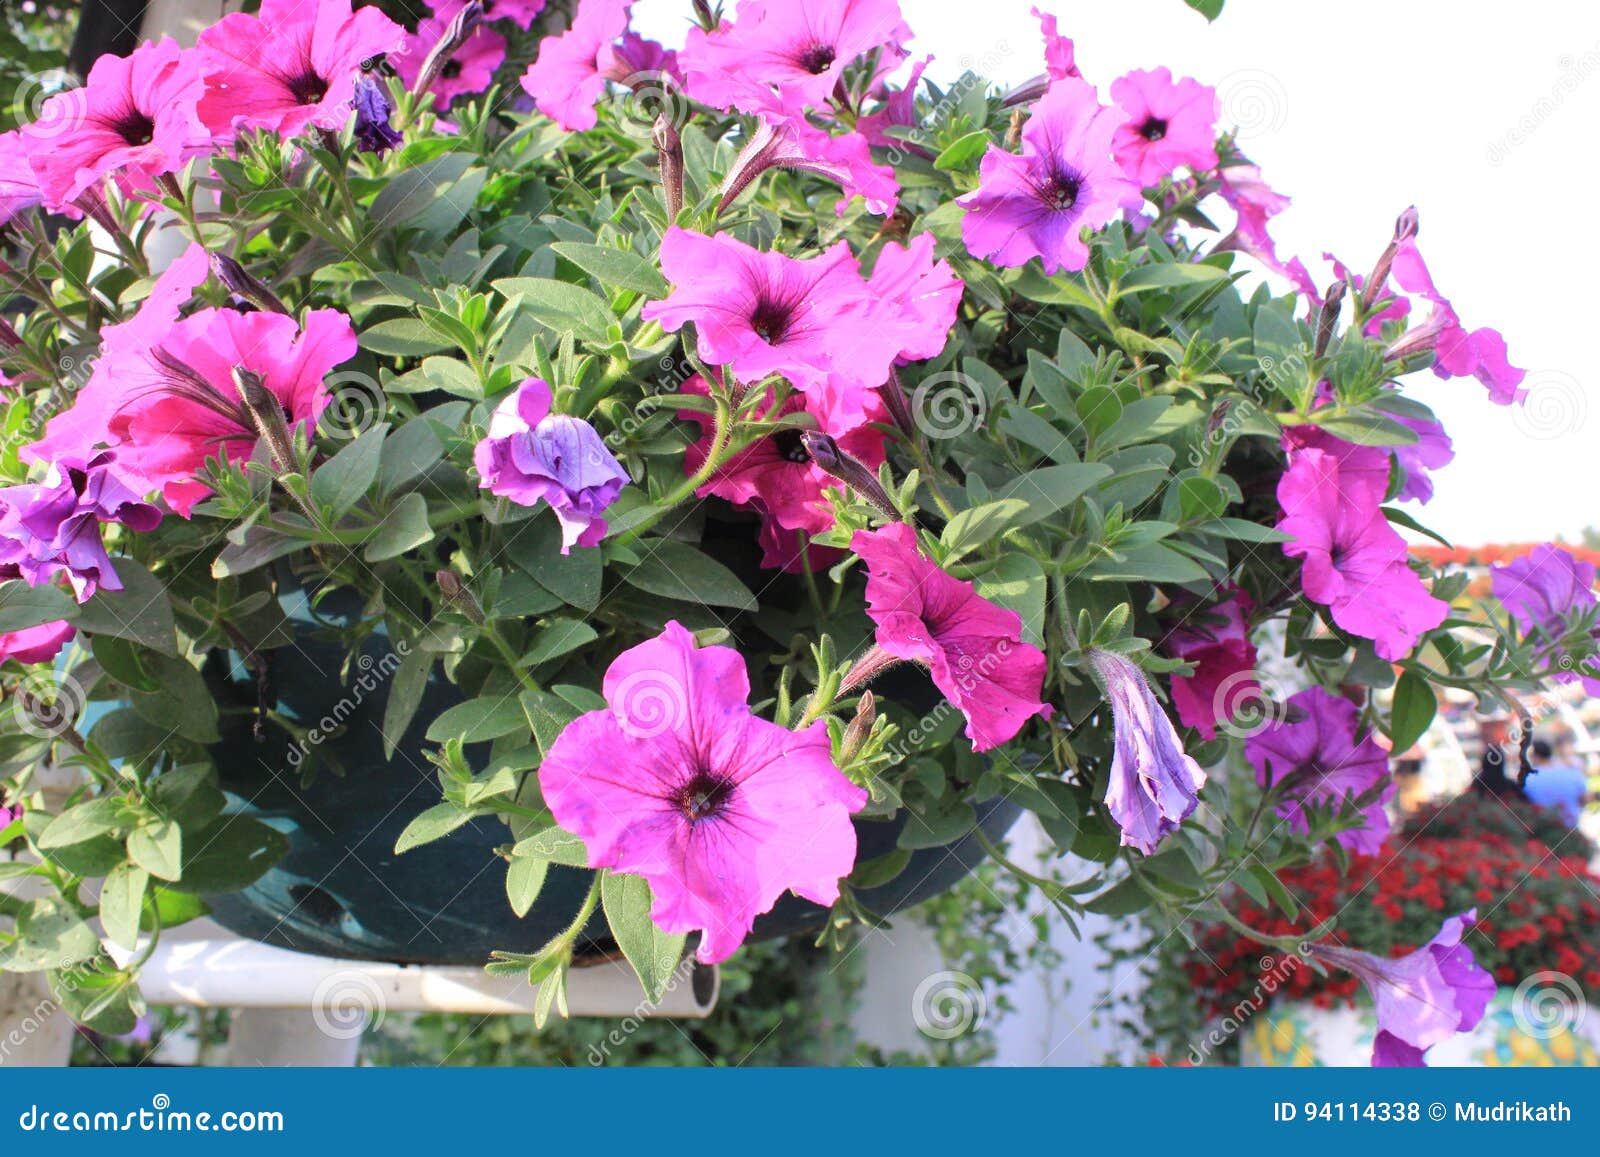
(1557, 782)
(1492, 778)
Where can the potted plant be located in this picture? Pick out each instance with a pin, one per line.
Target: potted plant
(672, 498)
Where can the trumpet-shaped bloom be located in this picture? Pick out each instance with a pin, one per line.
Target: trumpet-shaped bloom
(519, 12)
(569, 75)
(1038, 203)
(919, 295)
(1254, 203)
(1431, 451)
(787, 57)
(1421, 998)
(1543, 590)
(1152, 785)
(1354, 562)
(676, 780)
(1314, 756)
(531, 455)
(373, 132)
(294, 65)
(19, 185)
(34, 645)
(1060, 57)
(133, 120)
(1170, 123)
(781, 142)
(470, 69)
(1216, 639)
(972, 648)
(52, 528)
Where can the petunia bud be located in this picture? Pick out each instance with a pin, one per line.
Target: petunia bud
(462, 26)
(669, 151)
(1329, 316)
(860, 727)
(850, 470)
(242, 283)
(8, 336)
(371, 101)
(266, 416)
(457, 597)
(894, 400)
(1405, 230)
(703, 15)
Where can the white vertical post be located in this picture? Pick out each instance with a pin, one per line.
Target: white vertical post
(282, 1037)
(34, 1031)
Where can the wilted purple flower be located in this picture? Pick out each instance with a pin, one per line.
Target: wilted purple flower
(1314, 756)
(371, 102)
(53, 527)
(531, 454)
(1153, 785)
(1422, 998)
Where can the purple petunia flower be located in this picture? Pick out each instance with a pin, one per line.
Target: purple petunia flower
(37, 644)
(52, 527)
(1313, 756)
(531, 455)
(373, 133)
(1153, 784)
(1422, 998)
(1037, 204)
(1542, 591)
(1170, 123)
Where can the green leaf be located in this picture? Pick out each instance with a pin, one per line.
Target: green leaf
(1411, 712)
(1017, 583)
(476, 720)
(434, 824)
(524, 880)
(1152, 563)
(1210, 9)
(158, 849)
(409, 681)
(1367, 428)
(556, 846)
(653, 953)
(1396, 515)
(48, 935)
(184, 704)
(435, 196)
(556, 638)
(1170, 275)
(676, 570)
(1052, 488)
(560, 306)
(121, 901)
(614, 267)
(229, 855)
(139, 612)
(404, 528)
(963, 152)
(535, 546)
(1243, 530)
(22, 606)
(402, 337)
(260, 546)
(1123, 898)
(343, 480)
(82, 822)
(187, 795)
(973, 527)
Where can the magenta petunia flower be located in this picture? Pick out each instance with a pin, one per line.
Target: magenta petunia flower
(38, 644)
(972, 648)
(1038, 203)
(1224, 661)
(1421, 998)
(19, 184)
(531, 455)
(765, 313)
(1170, 123)
(898, 110)
(1152, 785)
(133, 120)
(519, 12)
(469, 71)
(1314, 756)
(569, 75)
(781, 142)
(1431, 451)
(919, 296)
(293, 65)
(1060, 57)
(788, 57)
(1543, 591)
(1254, 203)
(52, 528)
(676, 780)
(1354, 562)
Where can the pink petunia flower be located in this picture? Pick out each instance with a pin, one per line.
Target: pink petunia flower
(1254, 203)
(1060, 56)
(676, 780)
(38, 644)
(1170, 123)
(531, 455)
(519, 12)
(1038, 203)
(972, 648)
(765, 313)
(469, 71)
(1543, 590)
(133, 120)
(919, 296)
(1315, 756)
(19, 185)
(1354, 562)
(570, 73)
(781, 142)
(1431, 451)
(1224, 661)
(294, 65)
(898, 110)
(788, 57)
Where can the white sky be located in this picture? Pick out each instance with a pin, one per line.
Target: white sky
(1480, 112)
